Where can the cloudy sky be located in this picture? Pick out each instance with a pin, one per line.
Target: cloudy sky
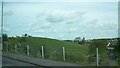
(61, 20)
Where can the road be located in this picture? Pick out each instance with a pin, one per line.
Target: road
(12, 62)
(31, 60)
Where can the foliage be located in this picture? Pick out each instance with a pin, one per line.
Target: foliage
(101, 45)
(25, 35)
(5, 37)
(117, 50)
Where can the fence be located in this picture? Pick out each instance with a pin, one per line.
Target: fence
(61, 53)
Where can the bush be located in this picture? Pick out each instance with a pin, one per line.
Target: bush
(118, 60)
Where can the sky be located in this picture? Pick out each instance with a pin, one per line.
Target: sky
(60, 0)
(61, 20)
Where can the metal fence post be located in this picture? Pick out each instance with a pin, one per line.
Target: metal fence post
(97, 57)
(63, 54)
(42, 52)
(28, 52)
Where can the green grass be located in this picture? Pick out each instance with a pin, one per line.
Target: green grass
(75, 53)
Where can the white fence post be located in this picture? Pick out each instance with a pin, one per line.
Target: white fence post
(63, 54)
(42, 52)
(28, 52)
(97, 57)
(15, 48)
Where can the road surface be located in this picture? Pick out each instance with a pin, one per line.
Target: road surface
(31, 60)
(12, 62)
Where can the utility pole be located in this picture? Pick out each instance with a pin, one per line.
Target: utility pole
(2, 26)
(1, 44)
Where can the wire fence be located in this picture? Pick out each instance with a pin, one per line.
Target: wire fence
(55, 53)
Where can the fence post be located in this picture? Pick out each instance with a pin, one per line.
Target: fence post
(7, 47)
(15, 48)
(63, 53)
(97, 57)
(28, 52)
(42, 52)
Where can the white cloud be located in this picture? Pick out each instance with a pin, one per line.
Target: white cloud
(71, 30)
(54, 30)
(38, 27)
(5, 29)
(59, 15)
(39, 31)
(46, 26)
(61, 35)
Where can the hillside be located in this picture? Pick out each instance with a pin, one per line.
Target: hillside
(75, 53)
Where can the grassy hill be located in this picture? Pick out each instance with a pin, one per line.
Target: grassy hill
(75, 53)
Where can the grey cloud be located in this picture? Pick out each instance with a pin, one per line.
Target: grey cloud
(58, 16)
(92, 22)
(78, 13)
(69, 22)
(75, 17)
(40, 14)
(55, 19)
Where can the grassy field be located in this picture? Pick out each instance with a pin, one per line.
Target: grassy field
(75, 53)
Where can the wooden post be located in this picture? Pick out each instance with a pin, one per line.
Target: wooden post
(28, 52)
(42, 52)
(63, 54)
(7, 47)
(97, 57)
(15, 48)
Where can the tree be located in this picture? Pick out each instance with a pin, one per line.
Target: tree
(82, 41)
(117, 50)
(101, 45)
(4, 37)
(25, 35)
(77, 39)
(29, 36)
